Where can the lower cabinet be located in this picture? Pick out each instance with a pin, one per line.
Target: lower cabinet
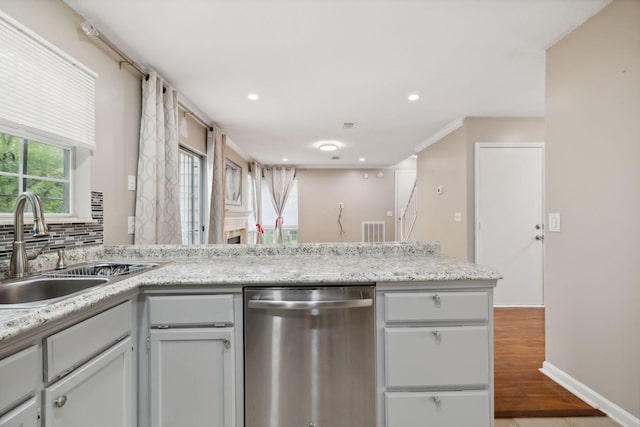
(192, 369)
(435, 357)
(25, 415)
(98, 394)
(192, 377)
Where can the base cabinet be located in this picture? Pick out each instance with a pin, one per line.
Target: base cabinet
(192, 381)
(435, 357)
(98, 394)
(25, 415)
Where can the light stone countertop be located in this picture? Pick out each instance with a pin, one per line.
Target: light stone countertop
(238, 265)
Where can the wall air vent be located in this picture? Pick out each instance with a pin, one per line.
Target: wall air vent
(348, 125)
(335, 157)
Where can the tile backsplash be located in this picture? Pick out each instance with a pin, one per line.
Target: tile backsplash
(61, 236)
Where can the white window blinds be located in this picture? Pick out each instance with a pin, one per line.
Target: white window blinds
(43, 90)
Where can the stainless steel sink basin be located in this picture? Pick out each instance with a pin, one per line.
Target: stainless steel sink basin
(41, 290)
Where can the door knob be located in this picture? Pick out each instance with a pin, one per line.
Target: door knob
(540, 237)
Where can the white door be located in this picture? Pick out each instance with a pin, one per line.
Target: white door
(404, 184)
(509, 219)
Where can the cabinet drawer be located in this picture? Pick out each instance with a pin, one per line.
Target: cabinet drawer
(464, 408)
(18, 377)
(428, 306)
(190, 310)
(436, 357)
(69, 348)
(25, 415)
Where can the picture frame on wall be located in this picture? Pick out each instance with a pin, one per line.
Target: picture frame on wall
(233, 184)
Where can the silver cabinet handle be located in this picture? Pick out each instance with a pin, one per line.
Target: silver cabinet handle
(437, 334)
(59, 402)
(436, 400)
(226, 343)
(540, 237)
(436, 298)
(307, 305)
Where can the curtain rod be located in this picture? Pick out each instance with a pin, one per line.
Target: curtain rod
(90, 30)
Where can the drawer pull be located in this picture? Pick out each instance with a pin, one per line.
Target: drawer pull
(226, 343)
(437, 334)
(436, 400)
(436, 299)
(60, 402)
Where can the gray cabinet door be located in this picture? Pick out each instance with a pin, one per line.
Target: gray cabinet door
(192, 377)
(25, 415)
(98, 394)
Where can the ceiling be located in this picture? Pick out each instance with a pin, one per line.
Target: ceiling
(316, 64)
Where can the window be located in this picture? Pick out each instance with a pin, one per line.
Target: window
(290, 215)
(191, 197)
(27, 165)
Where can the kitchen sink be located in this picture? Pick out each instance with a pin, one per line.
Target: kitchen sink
(51, 286)
(40, 290)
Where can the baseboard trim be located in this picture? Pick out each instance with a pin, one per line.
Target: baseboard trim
(589, 395)
(518, 306)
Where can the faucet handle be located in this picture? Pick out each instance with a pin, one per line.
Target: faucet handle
(33, 255)
(62, 262)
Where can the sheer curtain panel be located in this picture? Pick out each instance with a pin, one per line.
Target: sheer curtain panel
(157, 195)
(256, 172)
(278, 181)
(216, 210)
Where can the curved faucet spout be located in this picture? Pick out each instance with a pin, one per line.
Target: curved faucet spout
(18, 266)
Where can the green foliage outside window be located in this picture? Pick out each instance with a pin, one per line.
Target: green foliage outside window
(45, 171)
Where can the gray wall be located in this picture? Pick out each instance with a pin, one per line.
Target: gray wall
(450, 162)
(321, 190)
(592, 268)
(118, 98)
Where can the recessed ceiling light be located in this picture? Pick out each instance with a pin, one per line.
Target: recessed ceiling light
(284, 159)
(253, 97)
(413, 97)
(328, 147)
(362, 159)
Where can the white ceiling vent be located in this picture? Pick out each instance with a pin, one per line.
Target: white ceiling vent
(348, 125)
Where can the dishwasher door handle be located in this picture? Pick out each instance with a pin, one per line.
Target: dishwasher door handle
(308, 305)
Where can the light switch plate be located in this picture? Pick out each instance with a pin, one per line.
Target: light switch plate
(554, 223)
(131, 184)
(457, 217)
(389, 213)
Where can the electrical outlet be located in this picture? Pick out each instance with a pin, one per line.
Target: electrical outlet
(131, 225)
(131, 184)
(457, 217)
(341, 205)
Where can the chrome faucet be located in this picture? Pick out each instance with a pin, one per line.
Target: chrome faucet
(19, 264)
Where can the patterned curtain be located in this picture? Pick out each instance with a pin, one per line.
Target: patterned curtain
(256, 172)
(216, 210)
(157, 193)
(279, 180)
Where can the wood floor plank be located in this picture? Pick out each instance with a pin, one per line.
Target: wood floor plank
(521, 390)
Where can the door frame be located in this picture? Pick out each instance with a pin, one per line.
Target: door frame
(476, 183)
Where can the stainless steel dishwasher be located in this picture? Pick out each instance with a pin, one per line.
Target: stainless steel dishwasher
(310, 357)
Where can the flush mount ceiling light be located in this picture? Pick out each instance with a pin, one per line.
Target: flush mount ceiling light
(362, 159)
(413, 97)
(284, 159)
(328, 146)
(253, 97)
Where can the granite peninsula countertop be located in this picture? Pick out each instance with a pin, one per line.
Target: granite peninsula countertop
(237, 265)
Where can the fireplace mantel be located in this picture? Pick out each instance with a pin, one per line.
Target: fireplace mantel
(235, 224)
